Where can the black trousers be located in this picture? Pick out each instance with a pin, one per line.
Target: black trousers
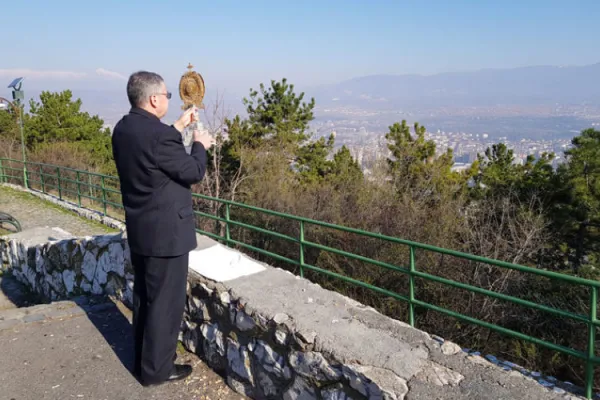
(159, 295)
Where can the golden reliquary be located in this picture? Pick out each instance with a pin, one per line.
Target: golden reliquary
(191, 89)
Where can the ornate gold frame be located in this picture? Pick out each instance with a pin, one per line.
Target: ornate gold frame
(191, 89)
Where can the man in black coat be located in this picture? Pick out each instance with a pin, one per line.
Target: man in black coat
(156, 175)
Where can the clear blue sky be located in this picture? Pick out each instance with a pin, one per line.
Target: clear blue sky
(241, 43)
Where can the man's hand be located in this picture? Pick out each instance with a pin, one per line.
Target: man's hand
(186, 118)
(204, 138)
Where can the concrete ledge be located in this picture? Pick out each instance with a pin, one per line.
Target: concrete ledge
(38, 236)
(275, 335)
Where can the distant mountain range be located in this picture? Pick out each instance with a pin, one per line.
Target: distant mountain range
(527, 86)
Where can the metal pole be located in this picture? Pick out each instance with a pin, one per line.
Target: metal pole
(301, 249)
(411, 288)
(227, 228)
(591, 353)
(23, 147)
(78, 190)
(42, 179)
(59, 183)
(103, 196)
(92, 193)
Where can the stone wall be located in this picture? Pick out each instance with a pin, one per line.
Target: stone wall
(264, 356)
(56, 265)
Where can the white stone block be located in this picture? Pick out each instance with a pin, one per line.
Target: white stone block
(221, 264)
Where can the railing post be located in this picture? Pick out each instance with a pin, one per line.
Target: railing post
(103, 195)
(90, 189)
(411, 288)
(227, 229)
(302, 249)
(59, 183)
(25, 180)
(78, 189)
(42, 179)
(2, 177)
(591, 352)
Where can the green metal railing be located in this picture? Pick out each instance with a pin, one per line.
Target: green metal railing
(61, 182)
(65, 183)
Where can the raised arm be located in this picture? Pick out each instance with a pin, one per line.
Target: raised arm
(173, 160)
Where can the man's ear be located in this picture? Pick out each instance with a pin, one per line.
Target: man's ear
(152, 101)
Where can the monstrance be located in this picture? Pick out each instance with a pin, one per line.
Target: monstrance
(191, 91)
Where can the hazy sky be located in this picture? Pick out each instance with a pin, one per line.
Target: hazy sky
(238, 44)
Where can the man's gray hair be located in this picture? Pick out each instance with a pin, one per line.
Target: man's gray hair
(141, 86)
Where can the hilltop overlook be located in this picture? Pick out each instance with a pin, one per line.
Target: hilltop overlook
(530, 213)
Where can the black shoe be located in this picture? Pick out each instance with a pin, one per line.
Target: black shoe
(180, 371)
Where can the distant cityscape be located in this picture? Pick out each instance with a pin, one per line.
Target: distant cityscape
(469, 132)
(367, 147)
